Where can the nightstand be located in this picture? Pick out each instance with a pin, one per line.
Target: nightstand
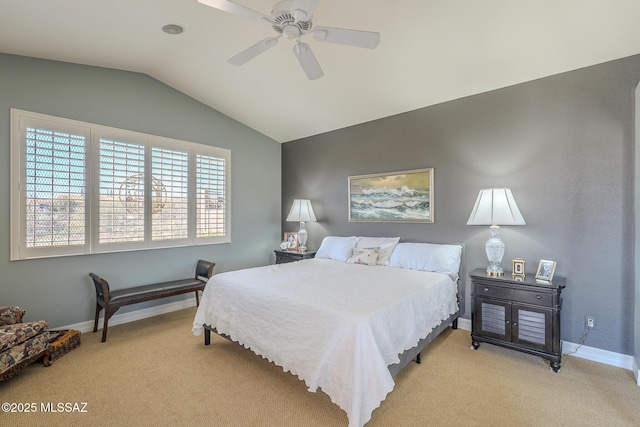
(518, 313)
(291, 256)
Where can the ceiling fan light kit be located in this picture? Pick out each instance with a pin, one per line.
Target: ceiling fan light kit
(291, 32)
(292, 19)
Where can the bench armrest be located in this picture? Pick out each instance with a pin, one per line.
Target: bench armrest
(204, 269)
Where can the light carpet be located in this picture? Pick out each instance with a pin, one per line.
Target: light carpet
(155, 372)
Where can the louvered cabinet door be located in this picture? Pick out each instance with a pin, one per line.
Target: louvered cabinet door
(532, 326)
(493, 318)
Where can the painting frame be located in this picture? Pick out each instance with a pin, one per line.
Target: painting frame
(403, 196)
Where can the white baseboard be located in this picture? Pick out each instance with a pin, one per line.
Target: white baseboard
(584, 352)
(464, 323)
(597, 355)
(132, 316)
(568, 348)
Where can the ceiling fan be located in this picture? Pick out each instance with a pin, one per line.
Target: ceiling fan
(292, 19)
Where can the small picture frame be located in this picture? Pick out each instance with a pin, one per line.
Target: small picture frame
(545, 270)
(291, 238)
(518, 267)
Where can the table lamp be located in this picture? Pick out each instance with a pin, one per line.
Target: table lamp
(495, 207)
(301, 211)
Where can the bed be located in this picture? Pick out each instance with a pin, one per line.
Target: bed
(346, 321)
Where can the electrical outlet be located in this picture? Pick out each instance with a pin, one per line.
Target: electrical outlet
(591, 322)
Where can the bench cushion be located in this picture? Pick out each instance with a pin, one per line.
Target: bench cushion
(132, 294)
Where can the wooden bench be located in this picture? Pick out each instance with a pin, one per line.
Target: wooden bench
(111, 301)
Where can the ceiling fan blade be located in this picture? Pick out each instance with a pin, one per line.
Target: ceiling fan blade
(355, 38)
(238, 9)
(253, 51)
(307, 61)
(302, 10)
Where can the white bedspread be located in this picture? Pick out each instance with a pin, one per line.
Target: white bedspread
(337, 326)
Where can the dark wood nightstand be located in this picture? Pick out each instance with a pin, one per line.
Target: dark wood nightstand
(518, 313)
(291, 256)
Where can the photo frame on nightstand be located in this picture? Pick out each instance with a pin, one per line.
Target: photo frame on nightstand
(518, 267)
(291, 238)
(545, 270)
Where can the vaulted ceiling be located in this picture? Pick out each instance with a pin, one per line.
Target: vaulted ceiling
(430, 51)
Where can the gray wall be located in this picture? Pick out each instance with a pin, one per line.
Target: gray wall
(563, 144)
(59, 289)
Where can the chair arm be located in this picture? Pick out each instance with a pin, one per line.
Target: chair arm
(10, 315)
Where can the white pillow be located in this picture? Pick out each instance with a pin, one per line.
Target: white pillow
(366, 256)
(337, 248)
(428, 257)
(386, 245)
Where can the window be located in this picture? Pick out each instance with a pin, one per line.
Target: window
(79, 188)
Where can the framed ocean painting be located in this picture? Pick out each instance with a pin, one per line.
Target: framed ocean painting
(405, 196)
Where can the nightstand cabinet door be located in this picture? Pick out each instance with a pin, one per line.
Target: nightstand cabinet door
(533, 327)
(493, 318)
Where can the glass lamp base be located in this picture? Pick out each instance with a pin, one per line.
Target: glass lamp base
(493, 271)
(302, 238)
(495, 251)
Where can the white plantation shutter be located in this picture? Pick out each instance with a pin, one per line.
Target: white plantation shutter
(211, 196)
(121, 205)
(81, 188)
(170, 187)
(54, 187)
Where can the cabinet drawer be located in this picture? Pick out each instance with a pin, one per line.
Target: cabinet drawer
(516, 295)
(281, 259)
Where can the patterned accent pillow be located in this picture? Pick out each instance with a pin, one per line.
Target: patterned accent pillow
(386, 245)
(366, 256)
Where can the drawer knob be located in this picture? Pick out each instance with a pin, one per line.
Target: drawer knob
(486, 289)
(538, 297)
